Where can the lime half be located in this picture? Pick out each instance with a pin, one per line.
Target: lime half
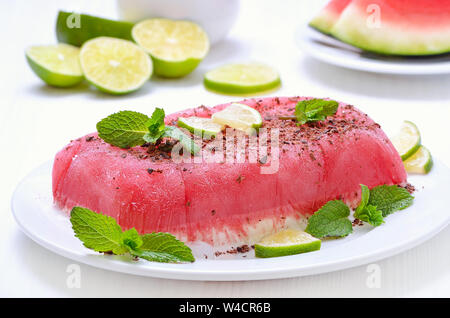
(238, 116)
(420, 162)
(287, 242)
(198, 124)
(57, 65)
(408, 140)
(176, 47)
(242, 79)
(115, 66)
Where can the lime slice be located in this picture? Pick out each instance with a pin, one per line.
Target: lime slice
(176, 47)
(242, 79)
(57, 65)
(198, 124)
(407, 141)
(287, 242)
(420, 162)
(75, 28)
(238, 116)
(115, 66)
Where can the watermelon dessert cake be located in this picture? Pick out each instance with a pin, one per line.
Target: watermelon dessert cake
(223, 204)
(389, 27)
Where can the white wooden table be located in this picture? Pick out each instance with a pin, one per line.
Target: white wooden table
(36, 121)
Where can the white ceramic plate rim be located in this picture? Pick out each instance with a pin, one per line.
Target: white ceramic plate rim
(356, 249)
(343, 55)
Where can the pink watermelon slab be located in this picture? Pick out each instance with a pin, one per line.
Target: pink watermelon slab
(230, 203)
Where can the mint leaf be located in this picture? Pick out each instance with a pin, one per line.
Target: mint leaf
(330, 220)
(368, 213)
(102, 234)
(187, 142)
(155, 126)
(163, 247)
(365, 194)
(315, 110)
(124, 129)
(371, 215)
(132, 239)
(97, 231)
(389, 199)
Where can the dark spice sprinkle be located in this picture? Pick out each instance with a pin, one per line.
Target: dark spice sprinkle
(213, 212)
(150, 170)
(243, 249)
(188, 203)
(240, 178)
(263, 160)
(165, 155)
(410, 188)
(124, 155)
(90, 138)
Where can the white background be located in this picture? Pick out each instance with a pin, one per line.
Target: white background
(37, 120)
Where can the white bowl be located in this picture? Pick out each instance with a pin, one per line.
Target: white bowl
(216, 17)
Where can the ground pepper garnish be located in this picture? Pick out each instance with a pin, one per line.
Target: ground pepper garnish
(240, 178)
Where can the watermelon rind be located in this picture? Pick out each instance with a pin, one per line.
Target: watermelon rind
(389, 39)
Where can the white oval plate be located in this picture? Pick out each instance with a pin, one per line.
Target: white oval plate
(330, 50)
(33, 209)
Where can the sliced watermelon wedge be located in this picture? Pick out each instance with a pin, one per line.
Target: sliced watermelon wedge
(327, 17)
(400, 27)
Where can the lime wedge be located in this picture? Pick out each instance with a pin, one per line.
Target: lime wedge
(57, 65)
(75, 28)
(176, 47)
(238, 116)
(198, 124)
(408, 140)
(115, 66)
(287, 242)
(242, 79)
(420, 162)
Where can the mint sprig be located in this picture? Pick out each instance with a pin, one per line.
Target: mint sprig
(380, 202)
(314, 110)
(102, 234)
(366, 212)
(330, 220)
(371, 215)
(156, 126)
(127, 129)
